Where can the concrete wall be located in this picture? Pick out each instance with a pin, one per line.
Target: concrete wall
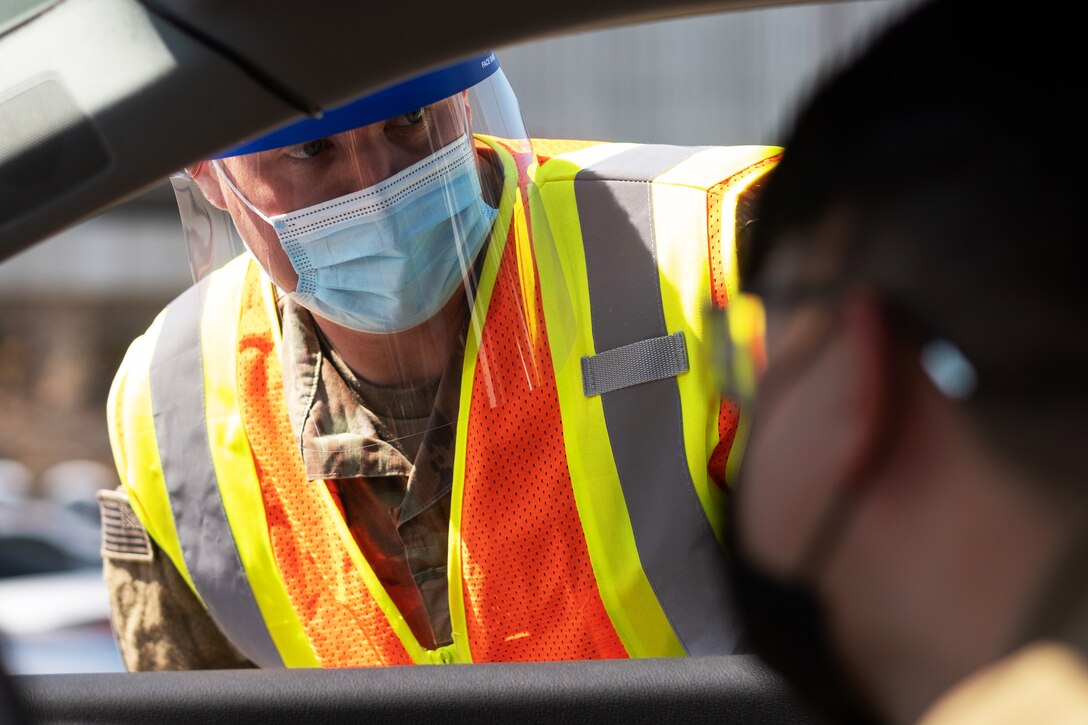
(728, 78)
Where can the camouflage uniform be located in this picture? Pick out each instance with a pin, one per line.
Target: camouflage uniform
(386, 452)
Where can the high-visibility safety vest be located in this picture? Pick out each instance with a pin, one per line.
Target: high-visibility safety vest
(584, 523)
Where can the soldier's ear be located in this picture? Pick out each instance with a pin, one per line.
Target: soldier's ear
(204, 173)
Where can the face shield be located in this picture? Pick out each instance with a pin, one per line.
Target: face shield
(374, 219)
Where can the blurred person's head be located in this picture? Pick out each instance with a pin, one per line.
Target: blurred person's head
(915, 482)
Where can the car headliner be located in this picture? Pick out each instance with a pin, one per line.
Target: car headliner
(100, 99)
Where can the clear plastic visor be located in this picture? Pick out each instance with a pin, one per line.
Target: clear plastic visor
(292, 178)
(374, 228)
(374, 239)
(234, 202)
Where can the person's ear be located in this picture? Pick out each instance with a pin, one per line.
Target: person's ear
(204, 173)
(872, 392)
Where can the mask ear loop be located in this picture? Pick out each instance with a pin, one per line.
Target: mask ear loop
(276, 291)
(858, 484)
(241, 197)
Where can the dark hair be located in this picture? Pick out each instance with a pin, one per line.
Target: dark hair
(952, 145)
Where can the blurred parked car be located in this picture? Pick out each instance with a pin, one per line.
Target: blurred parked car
(57, 622)
(40, 536)
(54, 610)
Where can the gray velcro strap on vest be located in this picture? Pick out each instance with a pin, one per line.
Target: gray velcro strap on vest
(646, 422)
(640, 362)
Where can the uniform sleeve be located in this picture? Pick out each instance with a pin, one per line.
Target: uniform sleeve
(158, 622)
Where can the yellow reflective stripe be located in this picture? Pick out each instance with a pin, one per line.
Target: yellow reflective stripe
(509, 201)
(136, 450)
(446, 655)
(684, 276)
(564, 167)
(565, 328)
(628, 597)
(684, 303)
(396, 620)
(523, 249)
(732, 287)
(704, 169)
(232, 459)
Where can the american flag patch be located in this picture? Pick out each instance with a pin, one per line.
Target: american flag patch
(123, 536)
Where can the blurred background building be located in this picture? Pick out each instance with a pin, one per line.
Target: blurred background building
(70, 306)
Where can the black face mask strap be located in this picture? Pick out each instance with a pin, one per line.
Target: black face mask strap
(784, 620)
(785, 624)
(853, 490)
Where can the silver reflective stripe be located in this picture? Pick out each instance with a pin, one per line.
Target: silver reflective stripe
(177, 404)
(640, 362)
(680, 554)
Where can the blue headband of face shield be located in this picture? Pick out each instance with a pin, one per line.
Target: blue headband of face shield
(389, 102)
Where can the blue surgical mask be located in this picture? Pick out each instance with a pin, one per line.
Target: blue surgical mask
(388, 257)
